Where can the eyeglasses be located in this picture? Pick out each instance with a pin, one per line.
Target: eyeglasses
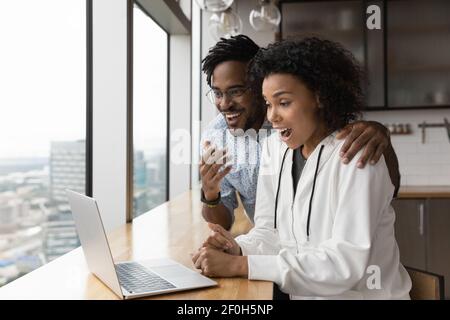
(215, 96)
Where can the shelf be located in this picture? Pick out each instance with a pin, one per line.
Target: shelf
(418, 68)
(408, 108)
(353, 33)
(413, 30)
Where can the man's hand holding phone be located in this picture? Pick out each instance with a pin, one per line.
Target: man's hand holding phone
(213, 168)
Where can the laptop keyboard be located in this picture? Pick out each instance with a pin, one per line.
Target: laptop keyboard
(135, 278)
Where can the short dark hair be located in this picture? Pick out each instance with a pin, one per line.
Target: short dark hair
(325, 67)
(236, 48)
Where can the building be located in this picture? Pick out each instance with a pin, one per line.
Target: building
(60, 233)
(140, 170)
(67, 171)
(67, 168)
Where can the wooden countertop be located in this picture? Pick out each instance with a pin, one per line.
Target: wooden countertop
(424, 192)
(173, 230)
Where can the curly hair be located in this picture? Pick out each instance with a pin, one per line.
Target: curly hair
(324, 67)
(236, 48)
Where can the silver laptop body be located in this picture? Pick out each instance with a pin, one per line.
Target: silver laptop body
(127, 279)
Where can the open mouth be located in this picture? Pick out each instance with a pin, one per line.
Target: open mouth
(285, 134)
(233, 117)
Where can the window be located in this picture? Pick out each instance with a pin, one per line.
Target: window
(42, 130)
(150, 51)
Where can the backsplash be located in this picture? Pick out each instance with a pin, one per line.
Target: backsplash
(421, 164)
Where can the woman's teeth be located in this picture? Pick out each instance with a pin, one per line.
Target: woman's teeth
(286, 132)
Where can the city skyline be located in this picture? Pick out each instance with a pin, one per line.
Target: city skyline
(36, 224)
(150, 146)
(43, 101)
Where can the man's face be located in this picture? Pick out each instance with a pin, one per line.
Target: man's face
(239, 111)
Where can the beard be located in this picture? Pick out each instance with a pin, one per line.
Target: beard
(256, 117)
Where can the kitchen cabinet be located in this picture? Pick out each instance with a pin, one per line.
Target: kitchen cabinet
(410, 232)
(418, 55)
(422, 230)
(438, 246)
(406, 63)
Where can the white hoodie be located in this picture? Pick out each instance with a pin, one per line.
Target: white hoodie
(351, 252)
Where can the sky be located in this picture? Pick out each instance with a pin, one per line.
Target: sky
(149, 83)
(43, 76)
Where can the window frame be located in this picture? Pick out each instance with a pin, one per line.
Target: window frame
(130, 125)
(114, 192)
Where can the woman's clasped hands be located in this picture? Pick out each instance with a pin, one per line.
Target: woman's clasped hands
(220, 255)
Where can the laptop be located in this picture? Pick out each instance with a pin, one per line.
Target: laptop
(129, 279)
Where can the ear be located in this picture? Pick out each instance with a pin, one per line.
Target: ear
(319, 105)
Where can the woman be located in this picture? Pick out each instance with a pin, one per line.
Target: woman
(322, 229)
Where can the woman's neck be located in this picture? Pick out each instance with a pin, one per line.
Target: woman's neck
(321, 133)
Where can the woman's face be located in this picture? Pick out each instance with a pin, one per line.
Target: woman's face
(292, 109)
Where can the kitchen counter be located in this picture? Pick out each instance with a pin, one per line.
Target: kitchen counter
(406, 192)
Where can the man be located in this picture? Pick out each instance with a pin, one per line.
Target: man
(226, 69)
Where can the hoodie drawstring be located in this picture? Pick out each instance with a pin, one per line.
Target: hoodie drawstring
(278, 189)
(312, 192)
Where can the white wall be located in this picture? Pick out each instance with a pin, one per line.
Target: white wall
(207, 111)
(110, 110)
(180, 115)
(242, 8)
(196, 90)
(420, 164)
(185, 6)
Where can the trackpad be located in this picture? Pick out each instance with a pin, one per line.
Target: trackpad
(173, 271)
(183, 277)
